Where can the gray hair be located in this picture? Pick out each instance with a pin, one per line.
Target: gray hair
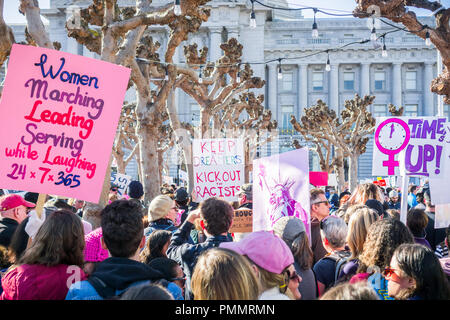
(335, 230)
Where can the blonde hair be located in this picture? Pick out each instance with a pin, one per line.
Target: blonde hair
(359, 223)
(269, 280)
(351, 210)
(222, 274)
(365, 192)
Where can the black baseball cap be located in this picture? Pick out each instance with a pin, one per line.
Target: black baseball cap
(181, 194)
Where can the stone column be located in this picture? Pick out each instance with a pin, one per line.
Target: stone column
(72, 44)
(333, 90)
(216, 39)
(302, 88)
(273, 83)
(233, 32)
(397, 84)
(428, 97)
(365, 78)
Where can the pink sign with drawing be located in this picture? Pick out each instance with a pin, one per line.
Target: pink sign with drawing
(281, 188)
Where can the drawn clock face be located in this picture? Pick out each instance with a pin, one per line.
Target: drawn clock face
(391, 137)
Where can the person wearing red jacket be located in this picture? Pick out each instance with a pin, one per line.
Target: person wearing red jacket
(51, 264)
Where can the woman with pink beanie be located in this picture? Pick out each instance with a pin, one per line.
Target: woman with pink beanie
(93, 251)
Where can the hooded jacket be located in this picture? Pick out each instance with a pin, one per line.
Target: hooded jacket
(186, 254)
(39, 282)
(111, 278)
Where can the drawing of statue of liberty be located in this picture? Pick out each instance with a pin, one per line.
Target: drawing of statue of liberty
(281, 201)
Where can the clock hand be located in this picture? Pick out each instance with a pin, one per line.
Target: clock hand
(392, 130)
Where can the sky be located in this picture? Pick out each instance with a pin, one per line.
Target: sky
(12, 14)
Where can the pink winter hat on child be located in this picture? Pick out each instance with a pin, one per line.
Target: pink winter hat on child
(93, 252)
(265, 249)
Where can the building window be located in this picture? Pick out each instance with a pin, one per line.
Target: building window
(379, 110)
(349, 81)
(286, 125)
(287, 82)
(380, 80)
(195, 113)
(447, 111)
(317, 81)
(411, 110)
(411, 80)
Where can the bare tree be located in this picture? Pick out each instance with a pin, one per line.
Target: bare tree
(256, 128)
(347, 134)
(207, 84)
(397, 11)
(319, 126)
(118, 36)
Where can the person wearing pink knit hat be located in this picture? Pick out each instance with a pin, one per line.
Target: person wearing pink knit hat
(93, 251)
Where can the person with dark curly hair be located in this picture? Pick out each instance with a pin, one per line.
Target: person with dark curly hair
(383, 237)
(416, 274)
(53, 260)
(216, 216)
(123, 236)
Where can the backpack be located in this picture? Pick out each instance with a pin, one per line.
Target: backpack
(340, 258)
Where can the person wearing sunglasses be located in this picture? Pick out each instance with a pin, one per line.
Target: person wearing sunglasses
(162, 213)
(171, 272)
(416, 274)
(293, 232)
(383, 237)
(320, 209)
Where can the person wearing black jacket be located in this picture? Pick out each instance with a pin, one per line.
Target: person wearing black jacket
(183, 202)
(123, 236)
(217, 217)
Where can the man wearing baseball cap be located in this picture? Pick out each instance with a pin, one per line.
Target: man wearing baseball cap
(13, 210)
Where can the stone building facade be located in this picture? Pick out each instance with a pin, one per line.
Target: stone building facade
(402, 78)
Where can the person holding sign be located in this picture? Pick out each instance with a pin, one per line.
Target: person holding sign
(217, 217)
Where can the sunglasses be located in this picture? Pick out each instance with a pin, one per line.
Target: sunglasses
(326, 202)
(294, 276)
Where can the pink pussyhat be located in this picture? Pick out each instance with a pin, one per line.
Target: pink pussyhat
(93, 252)
(265, 249)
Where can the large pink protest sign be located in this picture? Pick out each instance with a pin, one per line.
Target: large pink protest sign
(218, 168)
(281, 188)
(59, 118)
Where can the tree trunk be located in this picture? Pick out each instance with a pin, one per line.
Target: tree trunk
(204, 122)
(339, 169)
(182, 138)
(353, 172)
(148, 154)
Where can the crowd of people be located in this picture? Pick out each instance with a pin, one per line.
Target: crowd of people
(174, 248)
